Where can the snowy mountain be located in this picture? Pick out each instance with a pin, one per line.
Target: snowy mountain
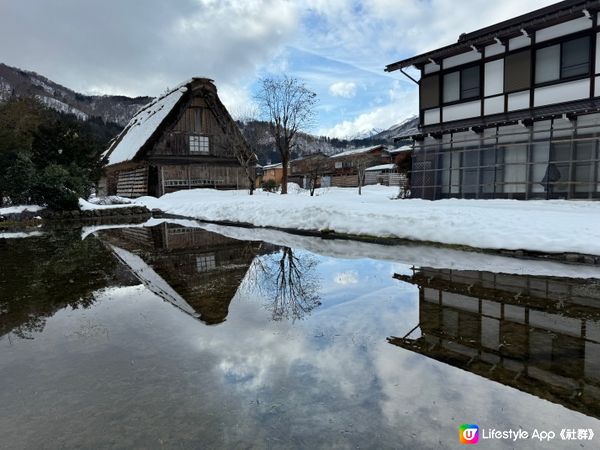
(15, 82)
(405, 127)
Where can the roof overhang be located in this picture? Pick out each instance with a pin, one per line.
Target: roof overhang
(502, 31)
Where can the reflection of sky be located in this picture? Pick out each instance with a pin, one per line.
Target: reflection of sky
(133, 371)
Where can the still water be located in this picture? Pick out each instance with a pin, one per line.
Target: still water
(171, 336)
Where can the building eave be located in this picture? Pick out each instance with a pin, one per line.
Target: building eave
(502, 31)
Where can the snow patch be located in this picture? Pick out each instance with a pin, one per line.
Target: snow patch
(549, 226)
(20, 209)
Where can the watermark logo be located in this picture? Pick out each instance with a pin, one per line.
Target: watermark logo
(468, 433)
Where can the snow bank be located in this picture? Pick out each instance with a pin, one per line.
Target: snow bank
(20, 234)
(19, 209)
(410, 255)
(554, 226)
(84, 205)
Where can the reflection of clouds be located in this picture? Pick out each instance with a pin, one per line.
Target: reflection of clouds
(350, 277)
(329, 381)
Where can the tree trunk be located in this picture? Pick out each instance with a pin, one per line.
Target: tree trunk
(284, 178)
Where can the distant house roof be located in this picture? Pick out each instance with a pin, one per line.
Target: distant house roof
(273, 166)
(358, 151)
(310, 156)
(380, 167)
(402, 149)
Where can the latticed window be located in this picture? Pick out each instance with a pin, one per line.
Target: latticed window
(205, 263)
(199, 144)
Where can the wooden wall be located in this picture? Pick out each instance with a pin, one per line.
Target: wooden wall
(190, 176)
(197, 119)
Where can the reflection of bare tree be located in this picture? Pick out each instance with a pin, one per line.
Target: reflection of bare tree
(291, 282)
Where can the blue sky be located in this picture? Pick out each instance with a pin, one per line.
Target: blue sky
(338, 47)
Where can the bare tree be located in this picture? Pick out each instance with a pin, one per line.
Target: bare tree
(288, 105)
(361, 162)
(289, 281)
(248, 162)
(314, 170)
(248, 159)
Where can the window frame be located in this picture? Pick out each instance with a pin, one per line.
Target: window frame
(478, 64)
(561, 42)
(200, 144)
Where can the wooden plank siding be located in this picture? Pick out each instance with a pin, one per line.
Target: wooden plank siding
(189, 176)
(133, 183)
(195, 119)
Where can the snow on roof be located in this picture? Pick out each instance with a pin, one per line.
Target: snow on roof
(355, 151)
(273, 166)
(153, 281)
(381, 167)
(404, 148)
(141, 127)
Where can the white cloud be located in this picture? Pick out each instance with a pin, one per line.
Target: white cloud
(140, 50)
(402, 103)
(343, 278)
(346, 89)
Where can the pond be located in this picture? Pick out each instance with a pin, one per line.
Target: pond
(187, 335)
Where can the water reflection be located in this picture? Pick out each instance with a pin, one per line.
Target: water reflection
(195, 270)
(132, 371)
(539, 335)
(290, 279)
(41, 275)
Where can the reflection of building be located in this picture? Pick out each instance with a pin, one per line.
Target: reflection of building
(196, 270)
(539, 335)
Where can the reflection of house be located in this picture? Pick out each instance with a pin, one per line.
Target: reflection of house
(182, 140)
(539, 335)
(344, 165)
(196, 270)
(511, 110)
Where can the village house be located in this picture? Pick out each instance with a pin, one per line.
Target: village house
(344, 166)
(511, 110)
(273, 172)
(305, 169)
(184, 139)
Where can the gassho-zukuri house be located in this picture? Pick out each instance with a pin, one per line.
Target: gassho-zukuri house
(512, 110)
(184, 139)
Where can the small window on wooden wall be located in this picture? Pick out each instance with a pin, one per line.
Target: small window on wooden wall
(199, 145)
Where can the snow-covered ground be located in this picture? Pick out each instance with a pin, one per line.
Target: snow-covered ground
(84, 205)
(410, 255)
(553, 226)
(19, 209)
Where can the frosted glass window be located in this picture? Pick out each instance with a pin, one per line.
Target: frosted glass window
(575, 57)
(452, 87)
(494, 77)
(515, 168)
(547, 64)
